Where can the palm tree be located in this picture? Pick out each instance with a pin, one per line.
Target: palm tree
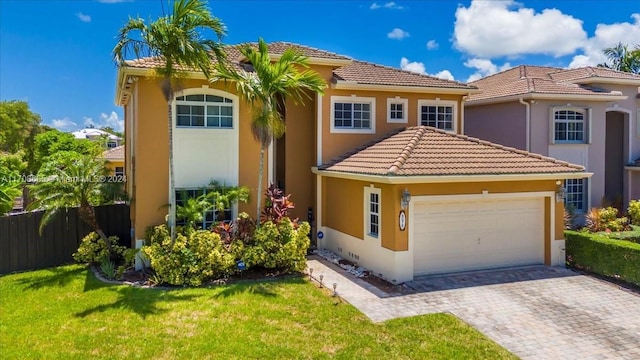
(263, 84)
(177, 39)
(622, 59)
(71, 179)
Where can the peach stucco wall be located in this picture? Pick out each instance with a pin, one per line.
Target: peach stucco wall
(343, 208)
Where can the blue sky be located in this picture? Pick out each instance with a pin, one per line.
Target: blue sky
(57, 54)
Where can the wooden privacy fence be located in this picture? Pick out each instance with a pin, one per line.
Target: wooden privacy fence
(23, 248)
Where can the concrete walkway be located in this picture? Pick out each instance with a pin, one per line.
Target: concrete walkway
(534, 312)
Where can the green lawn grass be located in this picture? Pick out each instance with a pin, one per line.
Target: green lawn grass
(66, 313)
(632, 235)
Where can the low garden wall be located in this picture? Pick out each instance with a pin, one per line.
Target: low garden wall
(618, 259)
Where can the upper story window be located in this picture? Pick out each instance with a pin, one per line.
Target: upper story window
(352, 114)
(397, 110)
(438, 114)
(569, 126)
(202, 110)
(112, 144)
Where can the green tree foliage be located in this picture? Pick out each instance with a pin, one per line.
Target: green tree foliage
(71, 179)
(18, 124)
(264, 85)
(621, 58)
(54, 141)
(177, 39)
(10, 188)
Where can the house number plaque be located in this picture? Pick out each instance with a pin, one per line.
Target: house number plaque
(403, 220)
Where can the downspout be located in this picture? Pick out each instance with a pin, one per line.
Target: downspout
(527, 123)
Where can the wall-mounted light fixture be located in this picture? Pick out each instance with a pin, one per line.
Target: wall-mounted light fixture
(406, 198)
(561, 192)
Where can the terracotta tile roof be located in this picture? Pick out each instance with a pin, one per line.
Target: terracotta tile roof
(117, 153)
(357, 71)
(427, 151)
(363, 72)
(524, 79)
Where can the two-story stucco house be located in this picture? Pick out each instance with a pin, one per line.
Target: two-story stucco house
(587, 116)
(378, 161)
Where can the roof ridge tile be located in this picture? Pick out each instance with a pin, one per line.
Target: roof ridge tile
(408, 72)
(406, 152)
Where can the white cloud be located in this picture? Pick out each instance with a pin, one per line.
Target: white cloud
(607, 35)
(89, 122)
(416, 67)
(397, 34)
(515, 30)
(390, 5)
(444, 74)
(432, 45)
(63, 124)
(83, 17)
(112, 120)
(484, 67)
(419, 68)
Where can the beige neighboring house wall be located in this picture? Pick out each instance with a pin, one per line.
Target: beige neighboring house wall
(499, 114)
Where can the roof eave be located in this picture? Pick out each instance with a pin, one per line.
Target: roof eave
(606, 80)
(431, 179)
(539, 96)
(353, 85)
(319, 61)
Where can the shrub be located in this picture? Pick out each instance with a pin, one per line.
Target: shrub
(568, 218)
(277, 205)
(618, 259)
(94, 250)
(605, 219)
(278, 246)
(108, 268)
(634, 212)
(193, 258)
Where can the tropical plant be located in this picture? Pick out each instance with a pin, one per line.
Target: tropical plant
(621, 58)
(277, 205)
(217, 196)
(263, 85)
(70, 179)
(9, 188)
(177, 40)
(634, 211)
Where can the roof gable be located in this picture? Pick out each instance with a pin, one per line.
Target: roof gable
(525, 80)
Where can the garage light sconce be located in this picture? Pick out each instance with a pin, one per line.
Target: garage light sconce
(406, 198)
(561, 192)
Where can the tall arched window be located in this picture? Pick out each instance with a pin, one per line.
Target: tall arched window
(207, 111)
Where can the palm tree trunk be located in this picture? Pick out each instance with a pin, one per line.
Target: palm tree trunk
(172, 191)
(259, 192)
(88, 214)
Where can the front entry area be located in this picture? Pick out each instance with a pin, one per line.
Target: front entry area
(615, 144)
(465, 235)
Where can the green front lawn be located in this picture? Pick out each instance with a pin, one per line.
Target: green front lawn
(632, 235)
(66, 313)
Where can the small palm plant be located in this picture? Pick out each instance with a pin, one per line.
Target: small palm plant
(70, 179)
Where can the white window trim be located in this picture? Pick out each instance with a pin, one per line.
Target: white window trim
(587, 125)
(438, 102)
(585, 194)
(368, 190)
(353, 99)
(405, 107)
(206, 91)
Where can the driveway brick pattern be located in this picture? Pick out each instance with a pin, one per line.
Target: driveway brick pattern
(534, 312)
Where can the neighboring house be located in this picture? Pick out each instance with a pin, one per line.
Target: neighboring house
(115, 160)
(587, 116)
(377, 162)
(96, 134)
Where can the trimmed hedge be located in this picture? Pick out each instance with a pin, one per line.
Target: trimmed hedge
(618, 259)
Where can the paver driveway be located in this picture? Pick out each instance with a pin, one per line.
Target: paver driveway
(534, 312)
